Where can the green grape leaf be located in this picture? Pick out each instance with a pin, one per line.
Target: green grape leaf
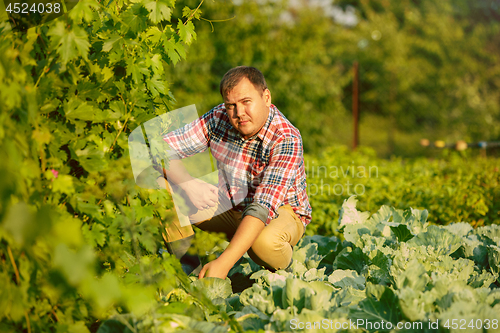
(156, 85)
(186, 32)
(96, 235)
(135, 18)
(111, 41)
(92, 159)
(187, 12)
(158, 10)
(136, 69)
(83, 11)
(69, 43)
(153, 34)
(78, 109)
(20, 223)
(75, 265)
(63, 184)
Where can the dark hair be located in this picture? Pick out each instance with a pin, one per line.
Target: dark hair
(234, 76)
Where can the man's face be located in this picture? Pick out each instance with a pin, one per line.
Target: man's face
(247, 108)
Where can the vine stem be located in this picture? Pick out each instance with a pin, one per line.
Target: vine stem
(28, 321)
(124, 124)
(18, 279)
(119, 132)
(210, 21)
(192, 14)
(54, 314)
(135, 246)
(42, 74)
(43, 157)
(45, 69)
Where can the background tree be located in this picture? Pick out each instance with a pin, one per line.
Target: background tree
(427, 69)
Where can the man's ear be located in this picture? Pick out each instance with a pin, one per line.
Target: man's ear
(267, 97)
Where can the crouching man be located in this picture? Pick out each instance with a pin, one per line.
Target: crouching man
(260, 202)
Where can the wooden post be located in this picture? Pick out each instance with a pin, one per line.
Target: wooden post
(355, 111)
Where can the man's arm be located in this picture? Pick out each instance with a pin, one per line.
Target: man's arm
(176, 172)
(201, 194)
(187, 141)
(246, 234)
(280, 175)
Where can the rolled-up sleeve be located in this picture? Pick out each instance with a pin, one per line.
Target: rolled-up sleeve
(279, 175)
(258, 211)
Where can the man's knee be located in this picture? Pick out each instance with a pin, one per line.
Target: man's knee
(271, 253)
(269, 244)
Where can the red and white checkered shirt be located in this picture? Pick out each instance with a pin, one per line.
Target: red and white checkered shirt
(266, 170)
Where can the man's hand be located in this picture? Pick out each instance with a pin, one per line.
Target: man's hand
(215, 268)
(201, 194)
(246, 234)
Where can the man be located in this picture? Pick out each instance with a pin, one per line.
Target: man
(261, 202)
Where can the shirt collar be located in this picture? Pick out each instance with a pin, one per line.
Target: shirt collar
(265, 128)
(262, 133)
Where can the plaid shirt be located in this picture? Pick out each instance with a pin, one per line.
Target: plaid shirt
(266, 170)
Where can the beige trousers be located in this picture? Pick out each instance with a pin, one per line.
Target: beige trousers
(272, 249)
